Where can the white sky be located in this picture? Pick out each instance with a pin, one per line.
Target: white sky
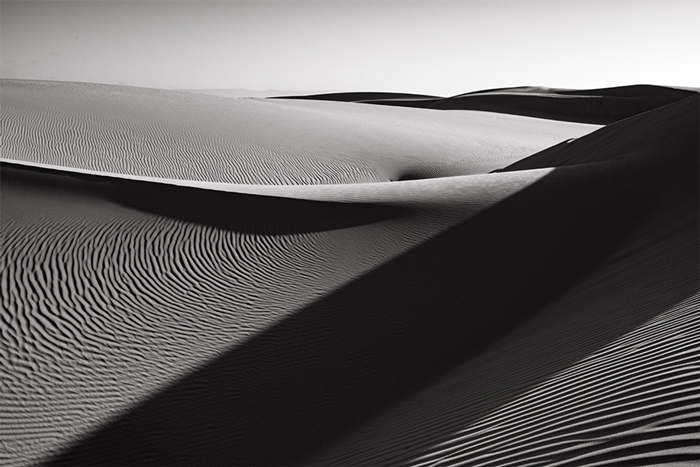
(429, 47)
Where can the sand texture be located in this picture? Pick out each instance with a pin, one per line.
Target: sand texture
(199, 280)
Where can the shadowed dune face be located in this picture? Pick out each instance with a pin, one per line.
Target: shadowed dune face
(604, 375)
(635, 137)
(178, 135)
(531, 317)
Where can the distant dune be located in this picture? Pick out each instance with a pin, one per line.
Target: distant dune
(196, 280)
(179, 135)
(637, 135)
(598, 106)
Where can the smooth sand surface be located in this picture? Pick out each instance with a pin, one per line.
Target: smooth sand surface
(210, 308)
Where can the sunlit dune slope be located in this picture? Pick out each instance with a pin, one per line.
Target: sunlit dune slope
(179, 135)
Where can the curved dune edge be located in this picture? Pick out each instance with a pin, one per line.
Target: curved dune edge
(441, 190)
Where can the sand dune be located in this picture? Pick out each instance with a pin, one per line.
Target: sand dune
(637, 137)
(601, 106)
(597, 106)
(170, 296)
(179, 135)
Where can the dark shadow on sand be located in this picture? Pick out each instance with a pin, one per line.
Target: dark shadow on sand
(581, 109)
(358, 96)
(290, 391)
(659, 272)
(253, 214)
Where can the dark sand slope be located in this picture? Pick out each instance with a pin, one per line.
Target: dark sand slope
(179, 135)
(605, 375)
(599, 106)
(663, 130)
